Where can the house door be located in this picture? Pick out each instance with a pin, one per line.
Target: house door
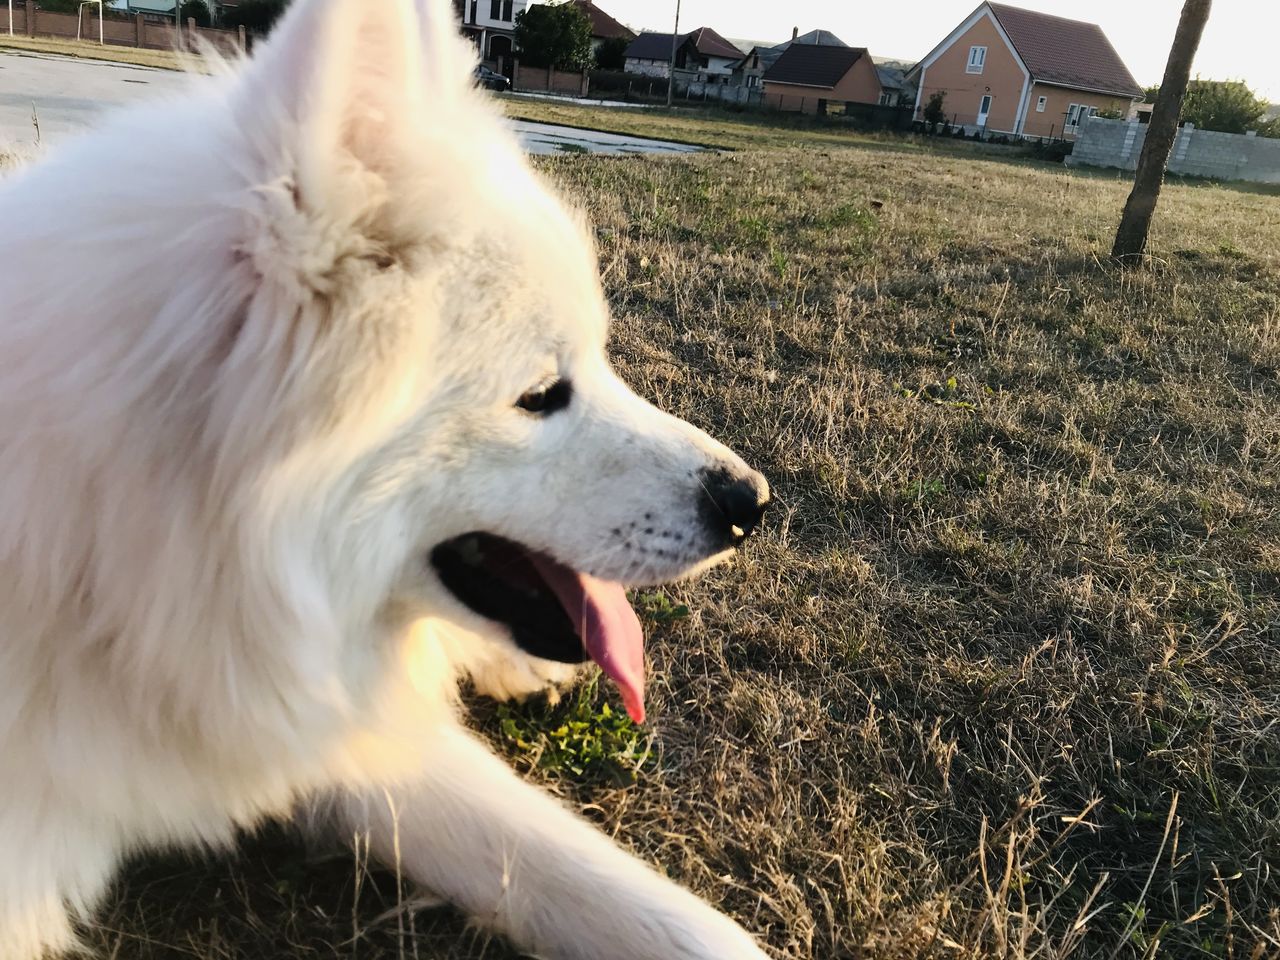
(500, 53)
(984, 111)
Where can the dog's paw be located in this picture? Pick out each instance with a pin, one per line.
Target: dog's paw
(517, 677)
(711, 937)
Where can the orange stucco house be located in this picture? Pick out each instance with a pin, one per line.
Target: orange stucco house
(808, 77)
(1021, 73)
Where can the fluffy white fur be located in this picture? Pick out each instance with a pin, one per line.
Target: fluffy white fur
(244, 389)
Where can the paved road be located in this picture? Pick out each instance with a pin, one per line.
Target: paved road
(546, 138)
(66, 95)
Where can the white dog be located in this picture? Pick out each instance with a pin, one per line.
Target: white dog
(305, 414)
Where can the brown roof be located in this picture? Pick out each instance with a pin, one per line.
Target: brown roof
(603, 25)
(1067, 52)
(657, 46)
(711, 44)
(813, 66)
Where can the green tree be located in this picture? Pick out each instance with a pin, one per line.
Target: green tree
(256, 16)
(554, 35)
(612, 53)
(934, 112)
(1226, 106)
(198, 11)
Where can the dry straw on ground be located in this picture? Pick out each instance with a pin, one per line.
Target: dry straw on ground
(1002, 678)
(163, 59)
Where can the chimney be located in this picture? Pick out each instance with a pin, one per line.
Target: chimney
(795, 34)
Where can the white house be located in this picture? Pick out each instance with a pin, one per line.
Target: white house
(490, 24)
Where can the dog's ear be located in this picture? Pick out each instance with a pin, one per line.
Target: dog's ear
(344, 86)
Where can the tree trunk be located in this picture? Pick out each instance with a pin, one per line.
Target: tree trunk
(1131, 238)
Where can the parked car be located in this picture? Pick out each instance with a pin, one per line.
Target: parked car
(491, 79)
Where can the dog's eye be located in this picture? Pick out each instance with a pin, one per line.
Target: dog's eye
(546, 398)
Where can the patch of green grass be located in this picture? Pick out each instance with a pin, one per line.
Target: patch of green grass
(582, 736)
(659, 608)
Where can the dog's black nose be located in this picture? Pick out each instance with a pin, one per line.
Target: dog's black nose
(734, 504)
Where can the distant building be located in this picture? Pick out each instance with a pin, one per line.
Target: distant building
(1023, 73)
(490, 25)
(750, 70)
(701, 51)
(807, 78)
(603, 26)
(895, 88)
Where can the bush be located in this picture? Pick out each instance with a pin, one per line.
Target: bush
(1225, 106)
(1054, 151)
(934, 113)
(612, 54)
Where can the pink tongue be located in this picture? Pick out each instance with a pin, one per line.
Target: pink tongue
(607, 625)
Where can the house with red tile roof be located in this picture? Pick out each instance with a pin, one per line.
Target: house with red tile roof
(702, 51)
(603, 26)
(1006, 70)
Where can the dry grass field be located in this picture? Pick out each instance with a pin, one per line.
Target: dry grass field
(1001, 678)
(163, 59)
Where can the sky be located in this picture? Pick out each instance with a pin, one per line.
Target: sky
(1239, 42)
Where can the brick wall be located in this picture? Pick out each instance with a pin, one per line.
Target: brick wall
(543, 80)
(128, 31)
(1196, 153)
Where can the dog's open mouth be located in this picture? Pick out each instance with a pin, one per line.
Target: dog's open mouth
(552, 611)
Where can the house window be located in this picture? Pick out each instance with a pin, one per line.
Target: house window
(886, 98)
(1076, 113)
(500, 10)
(1041, 104)
(506, 10)
(977, 59)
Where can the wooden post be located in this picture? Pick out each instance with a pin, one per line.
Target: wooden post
(31, 18)
(139, 30)
(671, 72)
(244, 38)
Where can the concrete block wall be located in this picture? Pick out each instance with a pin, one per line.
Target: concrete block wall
(1196, 153)
(729, 93)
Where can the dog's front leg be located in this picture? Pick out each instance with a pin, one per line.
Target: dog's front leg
(474, 833)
